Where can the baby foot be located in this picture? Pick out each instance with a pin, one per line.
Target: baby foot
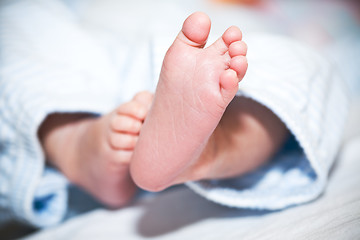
(104, 149)
(196, 85)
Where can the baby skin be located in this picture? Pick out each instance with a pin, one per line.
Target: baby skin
(94, 152)
(187, 135)
(194, 127)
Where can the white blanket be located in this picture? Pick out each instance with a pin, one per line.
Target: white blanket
(313, 105)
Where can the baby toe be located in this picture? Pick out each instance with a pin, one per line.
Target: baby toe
(232, 34)
(239, 65)
(237, 48)
(195, 30)
(120, 141)
(145, 98)
(123, 123)
(229, 84)
(133, 109)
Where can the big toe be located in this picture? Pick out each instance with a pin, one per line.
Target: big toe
(196, 29)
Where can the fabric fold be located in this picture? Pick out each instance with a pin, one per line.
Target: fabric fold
(306, 92)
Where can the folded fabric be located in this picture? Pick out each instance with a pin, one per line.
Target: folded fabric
(307, 93)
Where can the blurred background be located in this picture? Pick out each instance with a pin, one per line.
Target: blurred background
(330, 26)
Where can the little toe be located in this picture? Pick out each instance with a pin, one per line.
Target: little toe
(239, 64)
(195, 30)
(229, 84)
(237, 48)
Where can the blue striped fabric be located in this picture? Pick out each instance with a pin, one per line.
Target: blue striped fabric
(306, 92)
(34, 84)
(50, 63)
